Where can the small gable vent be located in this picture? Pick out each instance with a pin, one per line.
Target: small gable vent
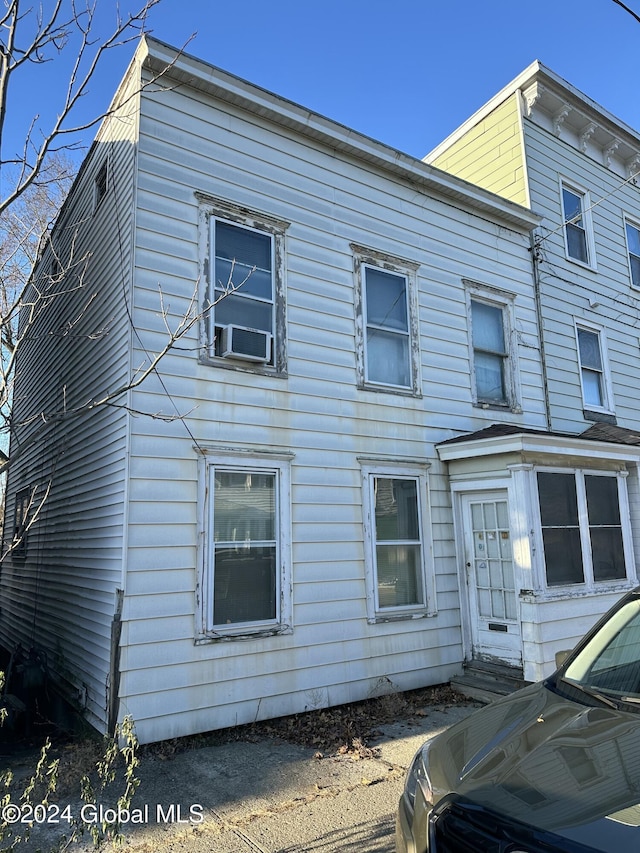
(246, 344)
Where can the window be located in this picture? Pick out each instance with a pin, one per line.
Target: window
(395, 507)
(24, 500)
(489, 352)
(582, 531)
(387, 345)
(492, 361)
(101, 185)
(633, 248)
(246, 550)
(577, 226)
(596, 393)
(243, 259)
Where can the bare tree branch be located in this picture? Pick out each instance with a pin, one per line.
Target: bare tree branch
(628, 9)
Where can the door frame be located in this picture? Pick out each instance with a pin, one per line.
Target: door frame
(482, 489)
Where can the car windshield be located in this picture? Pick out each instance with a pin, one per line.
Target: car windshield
(609, 664)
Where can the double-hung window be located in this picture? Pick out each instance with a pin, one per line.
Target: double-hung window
(596, 393)
(387, 339)
(577, 225)
(242, 260)
(246, 547)
(493, 371)
(633, 249)
(399, 582)
(583, 535)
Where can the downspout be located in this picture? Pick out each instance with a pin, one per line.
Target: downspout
(535, 260)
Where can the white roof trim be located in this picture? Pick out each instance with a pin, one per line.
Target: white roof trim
(227, 87)
(529, 443)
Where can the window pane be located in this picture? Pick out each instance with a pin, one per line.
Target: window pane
(249, 280)
(399, 583)
(243, 311)
(388, 358)
(633, 239)
(592, 388)
(558, 500)
(577, 243)
(243, 246)
(563, 555)
(488, 327)
(607, 553)
(590, 355)
(244, 584)
(572, 206)
(602, 499)
(635, 270)
(396, 509)
(490, 377)
(386, 299)
(244, 507)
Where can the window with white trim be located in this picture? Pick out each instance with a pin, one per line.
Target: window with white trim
(246, 547)
(242, 257)
(585, 540)
(386, 322)
(399, 574)
(492, 357)
(633, 249)
(578, 235)
(594, 376)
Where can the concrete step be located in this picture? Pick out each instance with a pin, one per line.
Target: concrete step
(486, 681)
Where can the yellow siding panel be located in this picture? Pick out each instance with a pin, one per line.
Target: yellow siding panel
(490, 154)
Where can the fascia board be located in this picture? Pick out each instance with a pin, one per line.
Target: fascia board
(549, 444)
(222, 85)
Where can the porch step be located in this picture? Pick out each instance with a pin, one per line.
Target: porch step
(486, 681)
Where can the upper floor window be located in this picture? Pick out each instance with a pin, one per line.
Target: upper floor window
(583, 533)
(101, 184)
(246, 562)
(398, 581)
(577, 226)
(596, 387)
(633, 248)
(493, 374)
(387, 339)
(243, 252)
(21, 522)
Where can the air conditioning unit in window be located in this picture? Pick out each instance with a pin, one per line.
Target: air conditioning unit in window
(246, 344)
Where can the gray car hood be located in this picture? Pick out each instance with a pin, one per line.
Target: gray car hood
(550, 761)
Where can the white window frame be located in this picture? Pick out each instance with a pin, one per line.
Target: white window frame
(365, 258)
(607, 406)
(370, 470)
(475, 292)
(587, 225)
(589, 584)
(278, 464)
(213, 209)
(630, 223)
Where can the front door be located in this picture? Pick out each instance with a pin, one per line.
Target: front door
(493, 602)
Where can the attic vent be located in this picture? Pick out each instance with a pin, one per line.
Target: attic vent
(245, 344)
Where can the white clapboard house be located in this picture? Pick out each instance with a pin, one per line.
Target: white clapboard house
(297, 508)
(542, 143)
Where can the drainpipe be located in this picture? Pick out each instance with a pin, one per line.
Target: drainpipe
(535, 260)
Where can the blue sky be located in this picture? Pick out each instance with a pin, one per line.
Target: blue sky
(404, 72)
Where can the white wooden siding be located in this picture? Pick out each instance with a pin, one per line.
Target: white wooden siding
(62, 598)
(189, 144)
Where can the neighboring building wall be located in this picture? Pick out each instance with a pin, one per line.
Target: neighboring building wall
(60, 597)
(490, 154)
(315, 415)
(600, 294)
